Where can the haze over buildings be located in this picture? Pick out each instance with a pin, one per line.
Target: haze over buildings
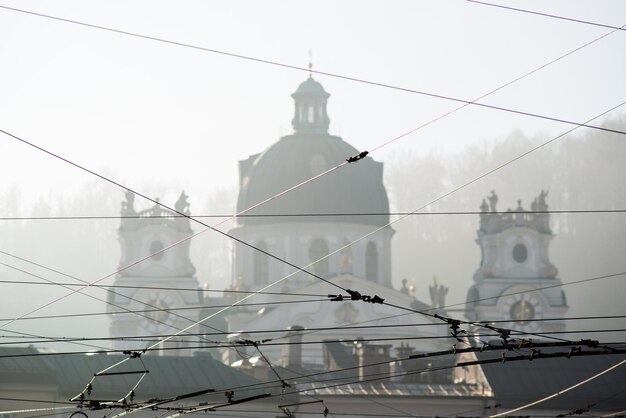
(160, 118)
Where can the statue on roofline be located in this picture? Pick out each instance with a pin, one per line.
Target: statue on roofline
(128, 206)
(182, 205)
(541, 201)
(493, 200)
(438, 294)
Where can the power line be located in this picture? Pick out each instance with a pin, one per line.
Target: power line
(586, 22)
(160, 340)
(179, 213)
(475, 180)
(208, 227)
(465, 322)
(271, 198)
(57, 156)
(122, 308)
(186, 239)
(107, 302)
(310, 70)
(285, 330)
(109, 180)
(314, 215)
(528, 405)
(606, 276)
(388, 375)
(157, 309)
(273, 341)
(181, 289)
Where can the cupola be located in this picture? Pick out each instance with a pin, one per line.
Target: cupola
(310, 108)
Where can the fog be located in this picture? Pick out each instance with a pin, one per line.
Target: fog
(161, 118)
(581, 172)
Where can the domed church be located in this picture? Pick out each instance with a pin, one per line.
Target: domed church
(336, 226)
(318, 218)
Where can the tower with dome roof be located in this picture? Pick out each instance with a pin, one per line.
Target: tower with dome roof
(335, 226)
(313, 221)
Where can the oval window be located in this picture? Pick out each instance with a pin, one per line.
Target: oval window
(520, 253)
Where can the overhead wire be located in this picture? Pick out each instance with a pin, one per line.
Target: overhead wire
(464, 303)
(117, 306)
(560, 392)
(107, 302)
(165, 310)
(359, 339)
(23, 411)
(317, 329)
(412, 357)
(592, 405)
(578, 125)
(166, 288)
(314, 215)
(348, 340)
(606, 276)
(370, 377)
(554, 16)
(440, 198)
(433, 201)
(180, 213)
(310, 70)
(390, 375)
(120, 184)
(173, 210)
(180, 241)
(474, 180)
(131, 392)
(444, 308)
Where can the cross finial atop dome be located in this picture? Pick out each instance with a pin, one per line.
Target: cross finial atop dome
(310, 64)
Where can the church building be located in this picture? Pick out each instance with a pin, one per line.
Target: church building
(335, 227)
(516, 281)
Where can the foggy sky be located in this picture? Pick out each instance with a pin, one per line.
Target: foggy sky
(161, 118)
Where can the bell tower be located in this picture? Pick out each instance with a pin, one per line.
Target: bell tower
(516, 281)
(157, 287)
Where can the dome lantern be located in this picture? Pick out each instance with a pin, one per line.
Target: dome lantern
(310, 108)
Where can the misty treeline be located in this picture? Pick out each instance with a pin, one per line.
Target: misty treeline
(582, 171)
(585, 170)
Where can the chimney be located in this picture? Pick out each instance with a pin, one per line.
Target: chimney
(370, 354)
(292, 351)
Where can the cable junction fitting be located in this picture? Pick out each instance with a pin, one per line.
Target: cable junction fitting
(354, 295)
(134, 354)
(357, 157)
(455, 326)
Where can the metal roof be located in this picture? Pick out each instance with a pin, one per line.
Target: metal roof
(168, 375)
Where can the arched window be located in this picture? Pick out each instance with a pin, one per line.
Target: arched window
(317, 250)
(311, 114)
(261, 264)
(371, 262)
(155, 247)
(345, 257)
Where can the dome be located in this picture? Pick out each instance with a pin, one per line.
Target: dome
(354, 189)
(310, 87)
